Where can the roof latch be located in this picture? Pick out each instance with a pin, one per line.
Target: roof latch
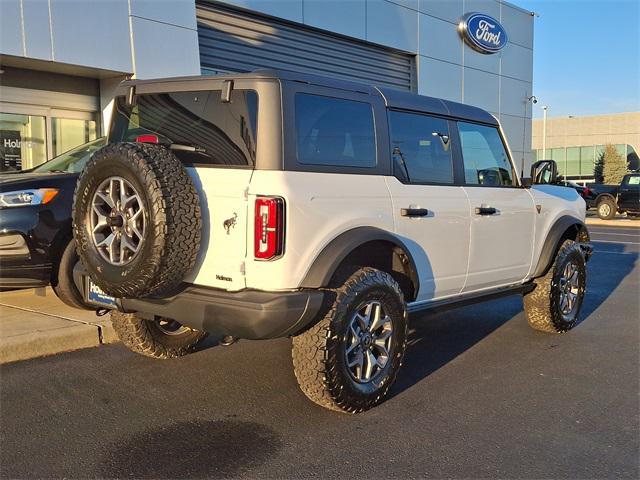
(227, 87)
(131, 95)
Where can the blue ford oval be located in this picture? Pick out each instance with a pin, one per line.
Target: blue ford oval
(483, 32)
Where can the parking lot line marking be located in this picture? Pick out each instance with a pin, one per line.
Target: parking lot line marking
(621, 243)
(616, 253)
(623, 234)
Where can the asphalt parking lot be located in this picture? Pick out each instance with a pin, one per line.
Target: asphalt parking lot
(481, 395)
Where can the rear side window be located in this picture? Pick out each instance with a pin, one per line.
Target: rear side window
(197, 126)
(334, 131)
(632, 180)
(420, 148)
(485, 158)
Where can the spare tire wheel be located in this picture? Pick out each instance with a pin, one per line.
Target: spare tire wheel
(136, 220)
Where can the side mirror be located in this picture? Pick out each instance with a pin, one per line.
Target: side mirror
(544, 172)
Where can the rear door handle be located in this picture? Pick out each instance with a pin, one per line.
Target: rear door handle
(414, 212)
(485, 211)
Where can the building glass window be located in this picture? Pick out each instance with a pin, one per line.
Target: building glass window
(334, 131)
(485, 158)
(558, 154)
(68, 133)
(587, 160)
(420, 148)
(573, 161)
(23, 141)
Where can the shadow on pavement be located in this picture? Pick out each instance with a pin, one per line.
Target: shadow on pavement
(198, 449)
(436, 339)
(603, 278)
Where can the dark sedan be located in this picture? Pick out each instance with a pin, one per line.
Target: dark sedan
(36, 243)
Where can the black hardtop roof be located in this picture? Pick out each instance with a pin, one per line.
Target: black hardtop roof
(398, 99)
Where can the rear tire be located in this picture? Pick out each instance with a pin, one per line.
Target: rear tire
(62, 282)
(607, 208)
(340, 362)
(163, 338)
(554, 304)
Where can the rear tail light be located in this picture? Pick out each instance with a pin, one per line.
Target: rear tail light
(586, 192)
(147, 139)
(269, 228)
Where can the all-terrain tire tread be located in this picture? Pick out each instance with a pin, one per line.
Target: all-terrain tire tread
(174, 211)
(310, 353)
(139, 336)
(540, 305)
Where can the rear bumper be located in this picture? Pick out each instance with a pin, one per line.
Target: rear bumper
(250, 314)
(246, 314)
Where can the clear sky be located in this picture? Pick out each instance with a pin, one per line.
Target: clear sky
(586, 56)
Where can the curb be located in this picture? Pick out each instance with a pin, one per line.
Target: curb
(618, 222)
(33, 323)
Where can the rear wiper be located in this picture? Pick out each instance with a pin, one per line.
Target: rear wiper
(187, 148)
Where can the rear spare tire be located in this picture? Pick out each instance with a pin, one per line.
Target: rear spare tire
(136, 220)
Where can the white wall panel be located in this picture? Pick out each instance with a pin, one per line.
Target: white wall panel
(481, 89)
(450, 10)
(392, 25)
(480, 61)
(517, 62)
(439, 39)
(488, 7)
(513, 97)
(175, 12)
(519, 25)
(439, 79)
(163, 50)
(347, 17)
(94, 34)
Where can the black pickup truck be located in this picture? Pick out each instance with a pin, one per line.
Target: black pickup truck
(611, 199)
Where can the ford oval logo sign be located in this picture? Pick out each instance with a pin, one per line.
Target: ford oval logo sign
(482, 32)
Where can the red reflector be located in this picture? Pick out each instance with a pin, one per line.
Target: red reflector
(269, 228)
(147, 139)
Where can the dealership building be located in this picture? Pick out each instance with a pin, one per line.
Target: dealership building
(576, 143)
(61, 60)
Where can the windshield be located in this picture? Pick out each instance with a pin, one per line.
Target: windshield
(74, 160)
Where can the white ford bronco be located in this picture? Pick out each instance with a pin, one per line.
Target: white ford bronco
(274, 204)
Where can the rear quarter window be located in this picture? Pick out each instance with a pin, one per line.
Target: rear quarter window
(197, 126)
(334, 131)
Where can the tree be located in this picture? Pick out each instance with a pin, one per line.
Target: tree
(610, 166)
(598, 169)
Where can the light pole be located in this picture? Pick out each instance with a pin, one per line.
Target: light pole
(544, 132)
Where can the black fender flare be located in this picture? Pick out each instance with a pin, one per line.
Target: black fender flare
(602, 196)
(327, 262)
(555, 238)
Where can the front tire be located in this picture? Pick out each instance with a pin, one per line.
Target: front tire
(348, 361)
(607, 209)
(554, 304)
(161, 338)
